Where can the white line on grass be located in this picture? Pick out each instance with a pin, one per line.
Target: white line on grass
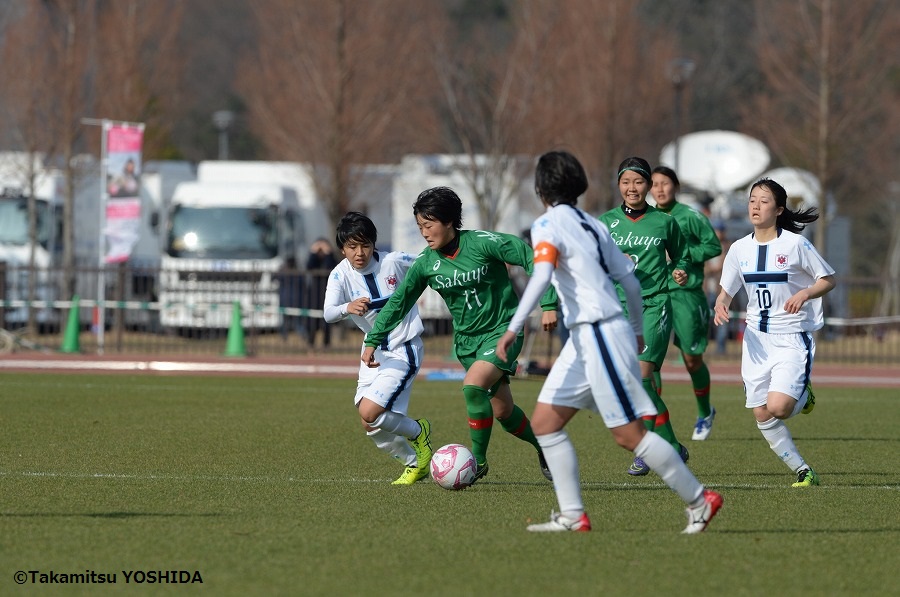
(252, 479)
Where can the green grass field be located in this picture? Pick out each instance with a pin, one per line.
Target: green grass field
(269, 486)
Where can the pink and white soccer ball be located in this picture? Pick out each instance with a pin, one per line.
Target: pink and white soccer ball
(453, 467)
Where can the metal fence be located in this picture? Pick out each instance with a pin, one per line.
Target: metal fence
(51, 312)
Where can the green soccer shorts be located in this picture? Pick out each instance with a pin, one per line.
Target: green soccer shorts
(690, 320)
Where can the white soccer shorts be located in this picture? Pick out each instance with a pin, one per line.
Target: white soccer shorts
(598, 370)
(390, 384)
(776, 363)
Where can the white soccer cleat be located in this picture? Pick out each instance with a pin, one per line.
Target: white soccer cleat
(704, 426)
(558, 523)
(700, 517)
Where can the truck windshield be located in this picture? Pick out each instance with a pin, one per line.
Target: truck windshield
(14, 221)
(223, 233)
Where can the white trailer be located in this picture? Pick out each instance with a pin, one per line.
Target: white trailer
(225, 241)
(157, 183)
(22, 174)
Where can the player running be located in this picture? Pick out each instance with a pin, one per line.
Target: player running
(468, 268)
(357, 287)
(690, 309)
(650, 238)
(784, 278)
(597, 368)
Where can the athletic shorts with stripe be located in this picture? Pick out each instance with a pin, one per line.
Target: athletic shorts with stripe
(776, 363)
(657, 327)
(469, 349)
(390, 384)
(690, 320)
(598, 370)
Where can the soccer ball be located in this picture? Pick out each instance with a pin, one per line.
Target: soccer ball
(453, 467)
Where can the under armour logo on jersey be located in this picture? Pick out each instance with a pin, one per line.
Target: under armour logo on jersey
(489, 235)
(437, 265)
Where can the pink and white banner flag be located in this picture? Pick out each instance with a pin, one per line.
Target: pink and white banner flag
(123, 186)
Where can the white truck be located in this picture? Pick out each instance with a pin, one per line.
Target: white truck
(227, 236)
(157, 182)
(22, 174)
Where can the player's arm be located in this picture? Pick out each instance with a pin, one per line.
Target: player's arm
(515, 251)
(335, 307)
(621, 270)
(541, 274)
(708, 245)
(676, 247)
(396, 308)
(821, 287)
(729, 284)
(723, 302)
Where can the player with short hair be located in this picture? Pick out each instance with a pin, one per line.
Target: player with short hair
(784, 278)
(357, 288)
(650, 238)
(690, 309)
(468, 268)
(597, 369)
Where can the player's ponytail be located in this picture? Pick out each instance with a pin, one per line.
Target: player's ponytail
(792, 221)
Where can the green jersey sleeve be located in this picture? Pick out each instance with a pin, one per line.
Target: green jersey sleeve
(676, 246)
(400, 303)
(515, 251)
(702, 244)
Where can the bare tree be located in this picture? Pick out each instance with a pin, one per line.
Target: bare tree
(827, 97)
(45, 51)
(339, 83)
(138, 66)
(599, 85)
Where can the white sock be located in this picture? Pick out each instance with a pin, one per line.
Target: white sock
(563, 464)
(663, 460)
(394, 446)
(398, 424)
(782, 443)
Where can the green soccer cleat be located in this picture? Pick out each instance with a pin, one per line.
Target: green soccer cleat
(806, 478)
(411, 475)
(481, 470)
(810, 402)
(545, 470)
(422, 445)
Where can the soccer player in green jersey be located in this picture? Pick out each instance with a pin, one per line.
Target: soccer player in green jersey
(468, 268)
(651, 239)
(690, 311)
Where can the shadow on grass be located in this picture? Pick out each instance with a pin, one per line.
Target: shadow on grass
(799, 531)
(808, 438)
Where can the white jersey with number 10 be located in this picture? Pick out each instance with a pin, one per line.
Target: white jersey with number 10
(771, 273)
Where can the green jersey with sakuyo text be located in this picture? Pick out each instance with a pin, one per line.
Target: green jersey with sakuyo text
(648, 240)
(474, 283)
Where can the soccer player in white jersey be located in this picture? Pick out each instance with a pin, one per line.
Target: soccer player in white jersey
(357, 288)
(784, 278)
(598, 367)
